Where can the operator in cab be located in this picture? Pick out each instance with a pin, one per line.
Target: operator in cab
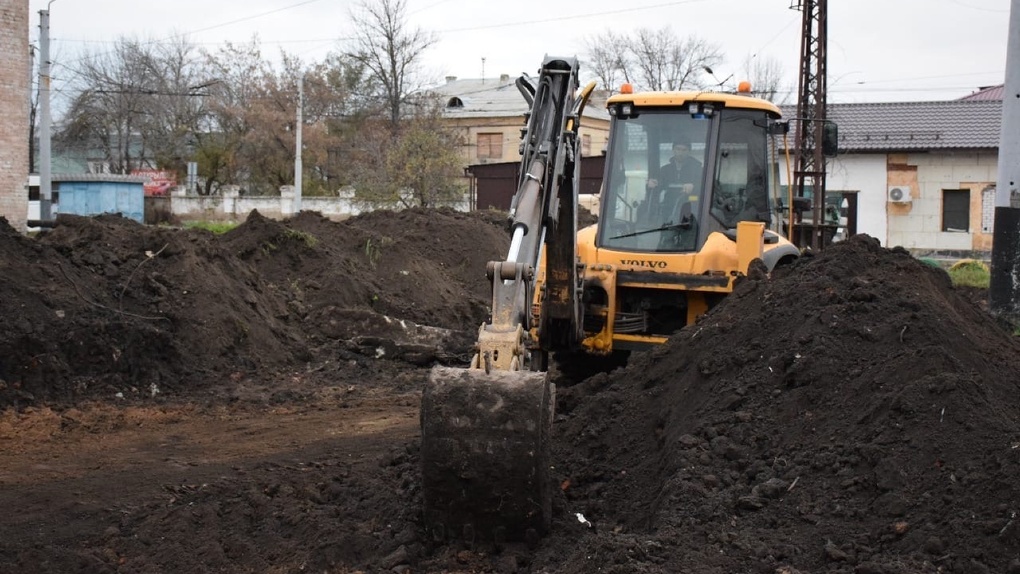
(679, 176)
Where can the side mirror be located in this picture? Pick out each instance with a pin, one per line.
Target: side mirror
(830, 139)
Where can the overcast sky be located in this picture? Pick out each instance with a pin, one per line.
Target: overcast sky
(879, 50)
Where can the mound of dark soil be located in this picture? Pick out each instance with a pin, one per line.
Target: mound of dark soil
(105, 305)
(853, 413)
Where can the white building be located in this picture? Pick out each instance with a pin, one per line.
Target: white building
(920, 175)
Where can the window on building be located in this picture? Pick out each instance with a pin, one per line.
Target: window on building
(490, 146)
(956, 210)
(585, 144)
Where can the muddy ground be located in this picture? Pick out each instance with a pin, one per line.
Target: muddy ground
(175, 401)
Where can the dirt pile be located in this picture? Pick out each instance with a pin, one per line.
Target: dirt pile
(851, 414)
(104, 306)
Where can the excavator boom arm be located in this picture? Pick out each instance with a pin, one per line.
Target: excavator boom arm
(485, 428)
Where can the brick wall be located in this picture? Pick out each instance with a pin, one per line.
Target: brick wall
(14, 109)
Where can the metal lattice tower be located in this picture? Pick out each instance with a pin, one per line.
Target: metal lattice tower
(810, 161)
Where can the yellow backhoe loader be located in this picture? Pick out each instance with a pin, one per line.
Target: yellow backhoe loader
(686, 207)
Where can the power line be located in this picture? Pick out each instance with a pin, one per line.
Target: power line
(444, 31)
(572, 17)
(884, 90)
(939, 77)
(199, 43)
(252, 17)
(339, 39)
(982, 9)
(429, 7)
(171, 37)
(321, 42)
(774, 38)
(880, 90)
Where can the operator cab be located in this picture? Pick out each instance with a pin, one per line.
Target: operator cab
(681, 165)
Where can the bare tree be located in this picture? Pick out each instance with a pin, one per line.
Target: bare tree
(389, 49)
(176, 108)
(606, 59)
(652, 59)
(665, 61)
(110, 106)
(158, 104)
(137, 105)
(766, 77)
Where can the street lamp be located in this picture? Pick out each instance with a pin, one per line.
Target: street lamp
(711, 73)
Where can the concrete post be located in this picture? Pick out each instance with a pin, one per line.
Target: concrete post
(45, 163)
(1004, 289)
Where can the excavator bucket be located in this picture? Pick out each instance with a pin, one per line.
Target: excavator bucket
(485, 454)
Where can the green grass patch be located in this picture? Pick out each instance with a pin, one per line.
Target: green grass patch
(307, 238)
(217, 227)
(970, 273)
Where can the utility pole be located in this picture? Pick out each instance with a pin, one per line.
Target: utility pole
(810, 158)
(1003, 290)
(297, 152)
(33, 112)
(45, 165)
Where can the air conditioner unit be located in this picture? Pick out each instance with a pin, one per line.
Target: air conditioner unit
(899, 194)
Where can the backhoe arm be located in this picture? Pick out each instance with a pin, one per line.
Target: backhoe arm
(485, 429)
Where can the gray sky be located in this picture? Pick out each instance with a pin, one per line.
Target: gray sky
(879, 50)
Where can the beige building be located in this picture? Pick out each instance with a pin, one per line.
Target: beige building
(14, 111)
(489, 113)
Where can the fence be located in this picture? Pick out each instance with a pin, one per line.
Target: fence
(230, 205)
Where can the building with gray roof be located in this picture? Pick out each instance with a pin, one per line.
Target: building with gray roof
(920, 175)
(490, 113)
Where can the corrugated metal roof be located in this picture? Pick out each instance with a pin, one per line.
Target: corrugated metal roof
(878, 127)
(101, 177)
(491, 98)
(987, 93)
(915, 126)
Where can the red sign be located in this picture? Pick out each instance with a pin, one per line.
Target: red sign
(160, 181)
